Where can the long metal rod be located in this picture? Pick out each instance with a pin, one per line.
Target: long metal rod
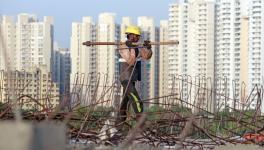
(90, 43)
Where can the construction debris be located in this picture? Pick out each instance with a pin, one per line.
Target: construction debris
(187, 118)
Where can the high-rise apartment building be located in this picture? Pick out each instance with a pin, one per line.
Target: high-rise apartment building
(201, 38)
(7, 43)
(34, 42)
(200, 52)
(28, 43)
(244, 70)
(149, 68)
(177, 54)
(227, 52)
(192, 24)
(95, 69)
(107, 55)
(62, 63)
(83, 59)
(178, 30)
(256, 45)
(163, 59)
(108, 31)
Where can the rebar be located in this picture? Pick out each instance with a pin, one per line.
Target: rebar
(184, 117)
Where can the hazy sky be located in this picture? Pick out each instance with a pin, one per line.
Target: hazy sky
(67, 11)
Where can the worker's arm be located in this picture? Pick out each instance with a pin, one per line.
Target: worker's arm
(128, 55)
(146, 52)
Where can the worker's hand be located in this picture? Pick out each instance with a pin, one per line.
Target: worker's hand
(129, 44)
(147, 44)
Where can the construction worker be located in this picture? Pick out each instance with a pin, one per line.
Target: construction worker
(130, 68)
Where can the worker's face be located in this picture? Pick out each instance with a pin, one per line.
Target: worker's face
(134, 37)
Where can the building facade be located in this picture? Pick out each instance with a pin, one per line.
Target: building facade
(62, 69)
(163, 59)
(256, 46)
(200, 55)
(7, 43)
(227, 52)
(27, 43)
(149, 68)
(83, 61)
(33, 90)
(107, 58)
(177, 54)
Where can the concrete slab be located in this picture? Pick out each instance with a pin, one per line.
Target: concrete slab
(27, 136)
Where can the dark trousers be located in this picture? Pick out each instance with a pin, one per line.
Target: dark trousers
(130, 95)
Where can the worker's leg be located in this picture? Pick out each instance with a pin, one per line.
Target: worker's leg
(134, 98)
(122, 113)
(136, 102)
(132, 95)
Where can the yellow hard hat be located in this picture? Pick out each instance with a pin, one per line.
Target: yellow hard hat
(133, 29)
